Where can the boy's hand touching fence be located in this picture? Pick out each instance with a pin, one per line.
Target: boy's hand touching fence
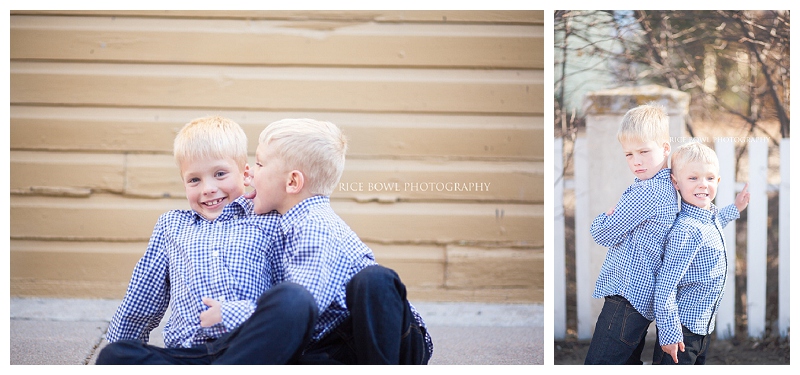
(742, 199)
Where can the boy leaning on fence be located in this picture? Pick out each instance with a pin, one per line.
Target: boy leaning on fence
(634, 232)
(692, 278)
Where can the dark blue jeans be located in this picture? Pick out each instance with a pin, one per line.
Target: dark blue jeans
(619, 334)
(696, 348)
(280, 327)
(380, 329)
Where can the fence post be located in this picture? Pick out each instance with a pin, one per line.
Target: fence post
(726, 194)
(584, 282)
(783, 242)
(757, 239)
(559, 258)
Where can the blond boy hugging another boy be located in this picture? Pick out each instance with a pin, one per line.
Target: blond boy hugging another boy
(364, 315)
(634, 232)
(280, 279)
(692, 278)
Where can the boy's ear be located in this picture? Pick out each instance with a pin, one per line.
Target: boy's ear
(248, 176)
(667, 148)
(295, 182)
(674, 181)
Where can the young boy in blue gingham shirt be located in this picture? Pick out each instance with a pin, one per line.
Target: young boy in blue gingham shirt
(634, 232)
(210, 252)
(298, 164)
(692, 278)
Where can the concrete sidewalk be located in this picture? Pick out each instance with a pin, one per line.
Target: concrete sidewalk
(71, 332)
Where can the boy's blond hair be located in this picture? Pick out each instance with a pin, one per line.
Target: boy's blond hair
(693, 152)
(648, 122)
(211, 137)
(316, 148)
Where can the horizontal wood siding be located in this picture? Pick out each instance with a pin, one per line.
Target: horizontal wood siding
(268, 42)
(277, 88)
(371, 135)
(443, 111)
(524, 17)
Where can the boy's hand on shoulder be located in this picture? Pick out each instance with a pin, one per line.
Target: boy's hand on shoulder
(213, 315)
(672, 350)
(742, 199)
(610, 211)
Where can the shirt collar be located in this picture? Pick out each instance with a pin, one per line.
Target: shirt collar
(300, 211)
(701, 214)
(239, 207)
(662, 175)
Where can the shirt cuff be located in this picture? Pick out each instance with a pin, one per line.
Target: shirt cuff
(670, 335)
(730, 212)
(234, 313)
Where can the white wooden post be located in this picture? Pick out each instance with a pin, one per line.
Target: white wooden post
(559, 257)
(726, 193)
(584, 279)
(757, 239)
(783, 243)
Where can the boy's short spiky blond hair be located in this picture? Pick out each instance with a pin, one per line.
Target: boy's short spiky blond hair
(648, 122)
(315, 148)
(211, 137)
(693, 152)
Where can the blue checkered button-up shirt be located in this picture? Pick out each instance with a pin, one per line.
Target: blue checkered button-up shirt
(691, 280)
(188, 258)
(322, 253)
(634, 235)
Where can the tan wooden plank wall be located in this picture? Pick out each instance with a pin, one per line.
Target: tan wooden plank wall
(443, 110)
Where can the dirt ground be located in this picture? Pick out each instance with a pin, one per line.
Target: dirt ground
(771, 351)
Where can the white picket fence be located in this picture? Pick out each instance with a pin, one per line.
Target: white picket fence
(756, 240)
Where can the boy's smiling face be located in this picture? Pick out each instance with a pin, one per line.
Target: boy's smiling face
(697, 183)
(645, 158)
(212, 183)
